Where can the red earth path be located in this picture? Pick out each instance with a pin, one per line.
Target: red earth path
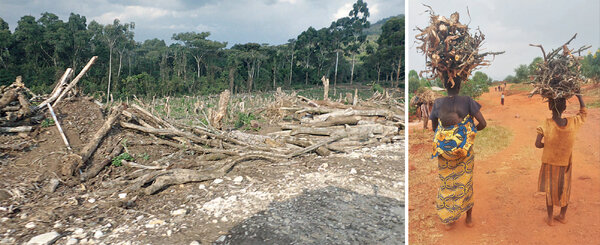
(508, 209)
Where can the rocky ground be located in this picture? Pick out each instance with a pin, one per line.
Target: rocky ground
(345, 198)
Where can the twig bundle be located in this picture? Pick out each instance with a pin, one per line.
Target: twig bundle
(452, 52)
(558, 76)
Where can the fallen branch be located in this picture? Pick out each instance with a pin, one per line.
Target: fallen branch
(19, 129)
(60, 130)
(315, 146)
(76, 80)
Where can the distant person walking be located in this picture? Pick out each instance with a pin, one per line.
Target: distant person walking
(555, 174)
(502, 98)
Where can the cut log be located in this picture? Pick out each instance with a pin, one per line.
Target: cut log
(315, 146)
(334, 121)
(74, 161)
(321, 151)
(7, 97)
(310, 102)
(19, 129)
(313, 131)
(355, 98)
(97, 166)
(76, 80)
(57, 89)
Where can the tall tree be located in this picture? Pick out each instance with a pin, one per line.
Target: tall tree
(358, 21)
(199, 45)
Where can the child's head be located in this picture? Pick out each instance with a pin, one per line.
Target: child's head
(559, 105)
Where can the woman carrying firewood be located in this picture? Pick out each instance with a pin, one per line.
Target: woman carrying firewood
(452, 121)
(558, 134)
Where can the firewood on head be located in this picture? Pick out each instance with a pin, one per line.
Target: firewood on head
(452, 51)
(559, 74)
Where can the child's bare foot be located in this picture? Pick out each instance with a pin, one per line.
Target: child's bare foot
(469, 222)
(561, 219)
(449, 226)
(548, 221)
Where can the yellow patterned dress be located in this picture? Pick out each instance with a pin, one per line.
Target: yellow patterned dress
(453, 148)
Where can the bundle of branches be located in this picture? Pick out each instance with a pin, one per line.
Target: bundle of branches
(558, 76)
(452, 52)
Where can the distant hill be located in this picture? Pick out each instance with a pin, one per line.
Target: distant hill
(375, 28)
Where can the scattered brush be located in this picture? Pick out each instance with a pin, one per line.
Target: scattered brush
(558, 76)
(452, 52)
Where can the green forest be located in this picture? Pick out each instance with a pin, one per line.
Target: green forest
(41, 49)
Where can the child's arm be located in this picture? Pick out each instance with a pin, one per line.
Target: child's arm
(581, 104)
(538, 141)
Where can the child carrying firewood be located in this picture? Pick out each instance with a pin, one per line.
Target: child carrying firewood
(558, 135)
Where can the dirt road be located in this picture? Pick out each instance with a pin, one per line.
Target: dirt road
(508, 210)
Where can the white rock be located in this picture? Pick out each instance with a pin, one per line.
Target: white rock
(224, 219)
(202, 187)
(217, 181)
(177, 212)
(92, 200)
(352, 171)
(78, 231)
(72, 241)
(169, 232)
(154, 223)
(122, 195)
(98, 234)
(221, 239)
(30, 225)
(194, 243)
(46, 238)
(238, 179)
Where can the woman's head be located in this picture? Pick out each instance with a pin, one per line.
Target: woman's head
(558, 105)
(448, 85)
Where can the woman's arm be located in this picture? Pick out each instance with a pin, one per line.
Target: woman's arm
(481, 121)
(538, 141)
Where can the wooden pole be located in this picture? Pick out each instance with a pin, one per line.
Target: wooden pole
(60, 130)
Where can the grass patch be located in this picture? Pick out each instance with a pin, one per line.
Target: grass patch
(594, 104)
(491, 140)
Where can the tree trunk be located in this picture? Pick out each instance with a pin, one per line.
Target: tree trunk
(231, 78)
(274, 73)
(291, 69)
(337, 56)
(109, 73)
(398, 72)
(198, 60)
(352, 70)
(378, 72)
(120, 63)
(306, 67)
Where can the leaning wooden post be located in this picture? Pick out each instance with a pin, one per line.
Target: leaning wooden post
(76, 80)
(60, 130)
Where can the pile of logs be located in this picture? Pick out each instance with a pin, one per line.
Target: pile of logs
(423, 95)
(452, 52)
(17, 112)
(558, 75)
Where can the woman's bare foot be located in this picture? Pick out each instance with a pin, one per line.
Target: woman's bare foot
(469, 222)
(560, 219)
(449, 226)
(548, 221)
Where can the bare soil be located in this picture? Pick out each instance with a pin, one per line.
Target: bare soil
(508, 209)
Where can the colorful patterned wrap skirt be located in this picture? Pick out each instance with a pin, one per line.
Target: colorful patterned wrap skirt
(455, 193)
